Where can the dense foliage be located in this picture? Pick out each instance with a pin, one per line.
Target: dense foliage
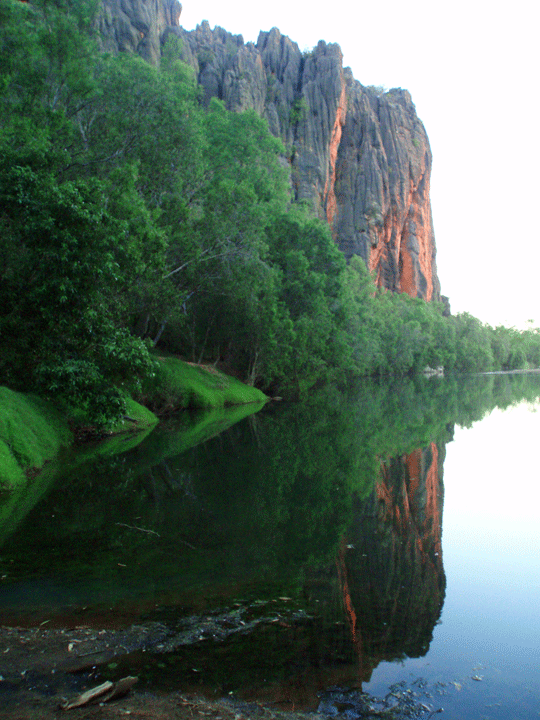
(133, 217)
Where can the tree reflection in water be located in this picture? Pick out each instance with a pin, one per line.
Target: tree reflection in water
(300, 547)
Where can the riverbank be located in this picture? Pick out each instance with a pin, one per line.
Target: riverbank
(33, 431)
(43, 667)
(52, 671)
(146, 706)
(179, 385)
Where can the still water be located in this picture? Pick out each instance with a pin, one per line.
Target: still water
(487, 640)
(358, 540)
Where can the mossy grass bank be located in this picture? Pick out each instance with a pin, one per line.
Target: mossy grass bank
(179, 385)
(33, 431)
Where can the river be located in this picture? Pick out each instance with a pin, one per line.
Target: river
(385, 539)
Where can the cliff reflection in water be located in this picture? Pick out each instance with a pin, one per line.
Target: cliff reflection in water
(382, 597)
(390, 563)
(310, 534)
(377, 597)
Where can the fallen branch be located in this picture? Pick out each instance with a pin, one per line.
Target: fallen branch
(104, 693)
(88, 696)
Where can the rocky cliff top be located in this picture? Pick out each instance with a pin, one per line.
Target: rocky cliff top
(137, 25)
(359, 155)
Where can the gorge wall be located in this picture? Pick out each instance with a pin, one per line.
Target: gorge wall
(361, 157)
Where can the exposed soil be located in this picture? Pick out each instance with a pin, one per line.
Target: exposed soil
(41, 668)
(143, 706)
(44, 668)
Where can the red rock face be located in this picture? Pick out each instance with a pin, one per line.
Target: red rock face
(389, 565)
(382, 185)
(407, 241)
(411, 496)
(360, 156)
(329, 189)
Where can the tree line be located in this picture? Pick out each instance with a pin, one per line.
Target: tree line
(133, 218)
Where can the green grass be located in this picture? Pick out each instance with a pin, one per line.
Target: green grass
(32, 432)
(179, 384)
(137, 417)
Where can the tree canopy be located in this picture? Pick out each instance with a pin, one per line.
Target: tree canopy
(130, 217)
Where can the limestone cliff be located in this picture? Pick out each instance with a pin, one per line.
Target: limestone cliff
(136, 25)
(360, 156)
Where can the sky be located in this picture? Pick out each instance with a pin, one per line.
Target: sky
(471, 68)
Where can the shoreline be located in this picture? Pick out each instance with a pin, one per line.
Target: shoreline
(51, 668)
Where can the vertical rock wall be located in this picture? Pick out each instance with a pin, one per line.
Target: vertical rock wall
(384, 210)
(361, 157)
(136, 25)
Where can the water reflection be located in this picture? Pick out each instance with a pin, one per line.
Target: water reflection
(303, 544)
(390, 563)
(383, 595)
(377, 597)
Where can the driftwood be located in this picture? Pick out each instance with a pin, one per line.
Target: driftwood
(105, 692)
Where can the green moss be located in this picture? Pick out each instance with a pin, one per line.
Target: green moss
(179, 384)
(32, 432)
(137, 417)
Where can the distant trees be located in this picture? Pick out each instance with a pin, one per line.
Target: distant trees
(130, 217)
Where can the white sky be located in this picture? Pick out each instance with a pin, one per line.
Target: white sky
(471, 68)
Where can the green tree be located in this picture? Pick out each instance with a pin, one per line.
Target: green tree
(87, 199)
(314, 293)
(531, 345)
(61, 269)
(218, 258)
(143, 128)
(46, 60)
(473, 344)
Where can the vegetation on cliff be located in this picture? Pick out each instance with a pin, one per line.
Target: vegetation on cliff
(133, 217)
